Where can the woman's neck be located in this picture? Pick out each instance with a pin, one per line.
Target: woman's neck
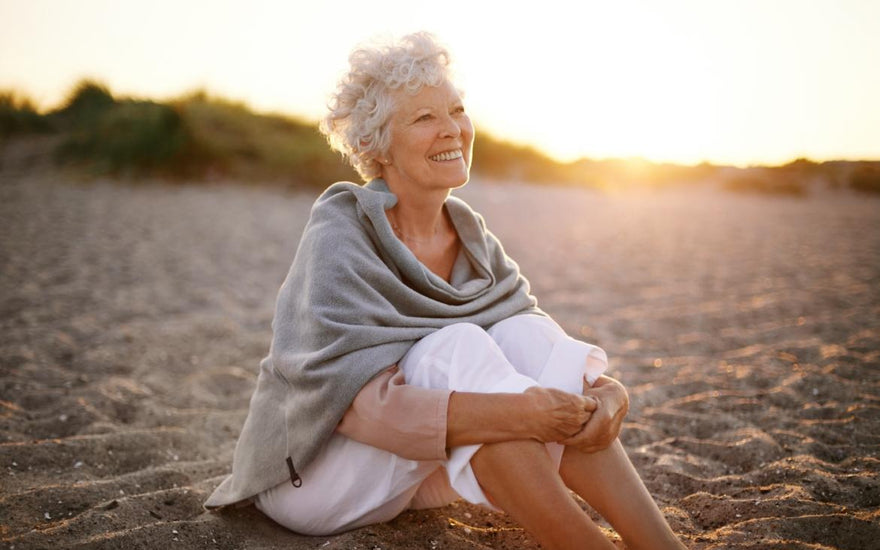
(418, 227)
(419, 218)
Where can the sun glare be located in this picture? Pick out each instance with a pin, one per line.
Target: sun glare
(677, 80)
(594, 88)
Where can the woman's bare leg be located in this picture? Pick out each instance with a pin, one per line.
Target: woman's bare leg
(523, 481)
(608, 481)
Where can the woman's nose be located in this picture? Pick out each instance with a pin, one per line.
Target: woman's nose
(451, 128)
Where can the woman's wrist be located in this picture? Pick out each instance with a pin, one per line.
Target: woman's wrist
(524, 414)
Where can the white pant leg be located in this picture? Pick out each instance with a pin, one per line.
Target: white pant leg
(537, 347)
(348, 485)
(462, 357)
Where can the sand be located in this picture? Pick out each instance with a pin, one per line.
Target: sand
(134, 315)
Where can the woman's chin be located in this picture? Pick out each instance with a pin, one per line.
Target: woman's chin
(457, 177)
(458, 182)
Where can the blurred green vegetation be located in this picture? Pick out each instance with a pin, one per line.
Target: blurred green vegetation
(19, 116)
(766, 181)
(201, 137)
(196, 137)
(126, 136)
(85, 104)
(866, 179)
(230, 139)
(508, 161)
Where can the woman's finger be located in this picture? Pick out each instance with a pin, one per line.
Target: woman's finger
(590, 403)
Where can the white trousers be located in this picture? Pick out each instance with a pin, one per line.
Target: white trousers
(351, 484)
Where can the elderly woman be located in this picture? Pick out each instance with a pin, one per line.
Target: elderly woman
(410, 366)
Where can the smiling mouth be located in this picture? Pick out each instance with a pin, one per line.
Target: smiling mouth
(447, 155)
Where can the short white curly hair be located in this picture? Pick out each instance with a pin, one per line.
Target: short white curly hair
(360, 109)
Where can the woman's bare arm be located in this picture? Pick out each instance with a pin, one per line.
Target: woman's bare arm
(544, 414)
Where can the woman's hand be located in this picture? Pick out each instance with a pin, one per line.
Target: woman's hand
(554, 415)
(604, 424)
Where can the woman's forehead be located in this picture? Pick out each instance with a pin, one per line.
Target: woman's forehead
(428, 96)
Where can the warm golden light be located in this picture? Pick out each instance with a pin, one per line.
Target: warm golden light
(678, 80)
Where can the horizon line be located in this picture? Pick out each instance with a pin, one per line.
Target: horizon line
(16, 93)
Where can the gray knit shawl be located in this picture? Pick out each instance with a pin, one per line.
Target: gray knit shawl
(355, 300)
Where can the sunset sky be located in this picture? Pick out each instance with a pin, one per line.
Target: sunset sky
(736, 81)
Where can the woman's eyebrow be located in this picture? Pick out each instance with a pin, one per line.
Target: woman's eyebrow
(425, 109)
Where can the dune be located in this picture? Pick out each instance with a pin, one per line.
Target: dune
(747, 329)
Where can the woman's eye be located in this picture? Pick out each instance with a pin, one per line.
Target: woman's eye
(458, 110)
(423, 118)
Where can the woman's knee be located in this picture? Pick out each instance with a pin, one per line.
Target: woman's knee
(464, 331)
(527, 341)
(461, 356)
(448, 342)
(530, 327)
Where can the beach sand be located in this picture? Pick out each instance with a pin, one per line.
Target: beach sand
(134, 315)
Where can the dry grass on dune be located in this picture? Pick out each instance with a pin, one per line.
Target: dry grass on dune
(747, 329)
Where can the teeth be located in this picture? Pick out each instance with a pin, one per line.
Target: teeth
(447, 155)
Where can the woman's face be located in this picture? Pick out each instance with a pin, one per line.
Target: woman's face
(431, 140)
